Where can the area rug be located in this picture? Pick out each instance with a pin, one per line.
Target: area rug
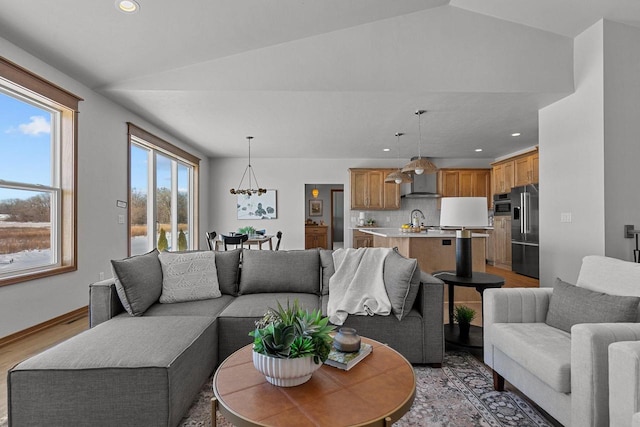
(460, 394)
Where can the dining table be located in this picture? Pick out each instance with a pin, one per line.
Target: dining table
(259, 240)
(254, 239)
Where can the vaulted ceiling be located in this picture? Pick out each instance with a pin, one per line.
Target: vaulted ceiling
(322, 79)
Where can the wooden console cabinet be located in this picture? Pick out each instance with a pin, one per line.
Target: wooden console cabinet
(315, 236)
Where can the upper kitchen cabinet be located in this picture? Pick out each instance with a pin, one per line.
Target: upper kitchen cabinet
(514, 172)
(503, 177)
(465, 183)
(370, 192)
(526, 169)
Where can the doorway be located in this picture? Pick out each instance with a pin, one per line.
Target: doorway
(337, 218)
(326, 208)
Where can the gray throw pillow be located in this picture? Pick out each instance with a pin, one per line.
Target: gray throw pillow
(138, 281)
(571, 305)
(188, 276)
(280, 271)
(328, 268)
(228, 265)
(402, 281)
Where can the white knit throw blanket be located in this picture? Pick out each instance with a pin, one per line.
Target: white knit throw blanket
(357, 286)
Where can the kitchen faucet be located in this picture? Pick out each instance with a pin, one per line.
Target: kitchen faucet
(414, 215)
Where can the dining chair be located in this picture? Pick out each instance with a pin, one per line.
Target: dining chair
(279, 237)
(237, 239)
(211, 240)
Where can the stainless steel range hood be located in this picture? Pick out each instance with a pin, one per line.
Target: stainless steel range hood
(423, 186)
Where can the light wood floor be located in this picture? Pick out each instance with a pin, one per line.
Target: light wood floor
(15, 352)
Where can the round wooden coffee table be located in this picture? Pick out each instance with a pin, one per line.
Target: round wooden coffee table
(376, 392)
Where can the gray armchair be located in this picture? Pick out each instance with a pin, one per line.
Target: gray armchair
(567, 374)
(624, 384)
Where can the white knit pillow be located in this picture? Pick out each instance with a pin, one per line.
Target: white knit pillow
(188, 276)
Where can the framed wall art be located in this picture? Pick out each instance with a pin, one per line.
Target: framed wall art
(315, 207)
(258, 207)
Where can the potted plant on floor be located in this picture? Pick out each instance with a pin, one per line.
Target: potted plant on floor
(464, 315)
(290, 343)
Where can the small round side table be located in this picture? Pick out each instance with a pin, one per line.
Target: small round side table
(478, 280)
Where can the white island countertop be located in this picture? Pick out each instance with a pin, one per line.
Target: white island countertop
(395, 232)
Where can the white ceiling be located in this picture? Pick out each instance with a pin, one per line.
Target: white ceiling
(321, 79)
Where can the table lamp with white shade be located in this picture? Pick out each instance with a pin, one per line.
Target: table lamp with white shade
(463, 213)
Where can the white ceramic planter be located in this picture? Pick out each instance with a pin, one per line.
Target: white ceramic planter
(285, 372)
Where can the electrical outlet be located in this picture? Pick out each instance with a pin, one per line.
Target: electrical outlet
(101, 275)
(388, 219)
(120, 219)
(565, 217)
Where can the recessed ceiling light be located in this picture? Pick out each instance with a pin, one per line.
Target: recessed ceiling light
(478, 150)
(127, 6)
(386, 149)
(516, 134)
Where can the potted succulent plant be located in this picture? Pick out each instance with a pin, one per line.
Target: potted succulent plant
(290, 343)
(464, 315)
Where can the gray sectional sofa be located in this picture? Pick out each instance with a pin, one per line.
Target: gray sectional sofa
(146, 368)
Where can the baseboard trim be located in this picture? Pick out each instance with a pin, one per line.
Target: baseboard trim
(65, 318)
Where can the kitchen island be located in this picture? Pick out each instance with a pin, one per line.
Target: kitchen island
(435, 251)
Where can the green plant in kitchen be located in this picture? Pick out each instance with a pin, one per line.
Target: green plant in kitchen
(293, 332)
(247, 230)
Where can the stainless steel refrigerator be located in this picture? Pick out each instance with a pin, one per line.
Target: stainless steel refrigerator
(525, 250)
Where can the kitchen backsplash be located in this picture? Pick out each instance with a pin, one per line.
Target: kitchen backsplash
(403, 216)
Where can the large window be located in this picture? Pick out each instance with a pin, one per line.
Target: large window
(162, 194)
(38, 128)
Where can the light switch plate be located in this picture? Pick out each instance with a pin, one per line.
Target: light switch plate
(565, 217)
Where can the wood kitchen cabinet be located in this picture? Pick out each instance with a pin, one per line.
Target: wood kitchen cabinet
(370, 192)
(502, 242)
(514, 172)
(465, 183)
(491, 247)
(526, 169)
(315, 236)
(362, 240)
(503, 177)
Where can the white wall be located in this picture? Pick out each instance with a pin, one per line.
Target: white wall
(622, 136)
(102, 179)
(589, 152)
(571, 136)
